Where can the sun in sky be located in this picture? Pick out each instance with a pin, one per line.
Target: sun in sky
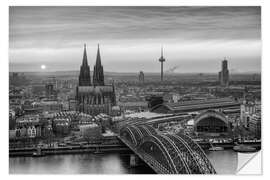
(43, 67)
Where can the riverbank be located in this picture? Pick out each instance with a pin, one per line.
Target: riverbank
(207, 145)
(97, 148)
(70, 150)
(225, 162)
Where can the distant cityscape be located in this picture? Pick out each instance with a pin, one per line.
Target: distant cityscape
(55, 114)
(92, 121)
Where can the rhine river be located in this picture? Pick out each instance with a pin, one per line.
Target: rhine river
(225, 162)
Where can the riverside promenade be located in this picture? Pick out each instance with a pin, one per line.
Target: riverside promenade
(70, 150)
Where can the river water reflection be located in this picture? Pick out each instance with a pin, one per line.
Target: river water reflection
(225, 162)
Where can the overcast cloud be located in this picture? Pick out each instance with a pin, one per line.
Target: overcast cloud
(194, 38)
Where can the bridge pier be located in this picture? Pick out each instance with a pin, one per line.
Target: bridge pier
(134, 160)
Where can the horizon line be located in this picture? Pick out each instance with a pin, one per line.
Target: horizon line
(244, 72)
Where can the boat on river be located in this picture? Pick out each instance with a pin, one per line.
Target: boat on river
(38, 153)
(244, 148)
(215, 148)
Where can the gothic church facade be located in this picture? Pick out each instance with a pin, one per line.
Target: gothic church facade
(94, 97)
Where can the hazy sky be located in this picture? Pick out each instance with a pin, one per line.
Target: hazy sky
(195, 39)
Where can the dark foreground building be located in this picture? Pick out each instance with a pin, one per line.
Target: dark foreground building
(94, 97)
(223, 75)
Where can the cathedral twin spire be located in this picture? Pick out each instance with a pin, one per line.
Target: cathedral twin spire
(98, 76)
(85, 63)
(84, 77)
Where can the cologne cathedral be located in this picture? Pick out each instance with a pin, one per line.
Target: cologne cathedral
(94, 97)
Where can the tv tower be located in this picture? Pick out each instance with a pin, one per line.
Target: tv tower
(161, 60)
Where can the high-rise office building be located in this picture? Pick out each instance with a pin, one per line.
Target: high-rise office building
(141, 77)
(223, 75)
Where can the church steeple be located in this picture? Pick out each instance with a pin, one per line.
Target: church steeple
(98, 60)
(98, 76)
(84, 77)
(85, 63)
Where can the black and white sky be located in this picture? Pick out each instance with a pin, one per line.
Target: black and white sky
(195, 39)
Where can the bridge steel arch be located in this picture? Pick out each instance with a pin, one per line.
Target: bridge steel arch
(129, 136)
(179, 159)
(201, 156)
(199, 163)
(192, 162)
(147, 130)
(137, 133)
(152, 147)
(170, 154)
(134, 134)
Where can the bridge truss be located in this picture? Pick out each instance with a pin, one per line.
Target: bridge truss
(166, 154)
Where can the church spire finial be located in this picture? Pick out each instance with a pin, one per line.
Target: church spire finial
(85, 63)
(98, 60)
